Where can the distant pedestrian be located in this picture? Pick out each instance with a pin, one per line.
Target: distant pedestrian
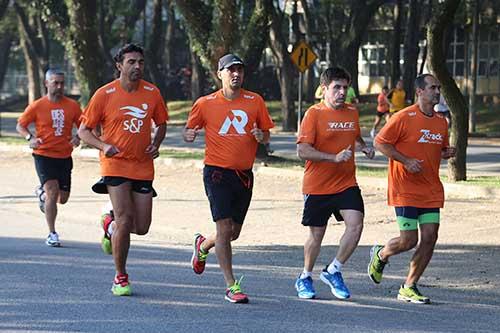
(442, 107)
(396, 98)
(382, 110)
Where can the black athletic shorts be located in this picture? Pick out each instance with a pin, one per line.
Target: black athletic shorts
(319, 207)
(49, 168)
(229, 192)
(139, 186)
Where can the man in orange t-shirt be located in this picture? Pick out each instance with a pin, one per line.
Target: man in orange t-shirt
(328, 135)
(415, 140)
(125, 110)
(54, 116)
(382, 110)
(235, 122)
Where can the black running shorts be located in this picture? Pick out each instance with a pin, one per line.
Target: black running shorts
(49, 168)
(319, 207)
(139, 186)
(229, 192)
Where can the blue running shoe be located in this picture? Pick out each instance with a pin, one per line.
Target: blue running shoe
(336, 283)
(305, 288)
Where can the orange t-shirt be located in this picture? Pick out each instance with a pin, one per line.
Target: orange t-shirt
(53, 124)
(227, 123)
(382, 105)
(329, 131)
(418, 136)
(126, 123)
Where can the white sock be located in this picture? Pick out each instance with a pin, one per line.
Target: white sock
(305, 274)
(110, 229)
(335, 266)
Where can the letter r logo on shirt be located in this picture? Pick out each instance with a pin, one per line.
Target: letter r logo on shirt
(239, 122)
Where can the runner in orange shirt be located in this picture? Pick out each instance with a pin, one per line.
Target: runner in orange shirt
(54, 116)
(235, 122)
(328, 136)
(415, 140)
(125, 109)
(382, 110)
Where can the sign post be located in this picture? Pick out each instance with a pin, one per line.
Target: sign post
(303, 57)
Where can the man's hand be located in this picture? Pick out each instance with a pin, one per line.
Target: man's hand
(343, 155)
(413, 165)
(75, 141)
(257, 133)
(152, 150)
(110, 150)
(191, 133)
(448, 152)
(35, 143)
(369, 152)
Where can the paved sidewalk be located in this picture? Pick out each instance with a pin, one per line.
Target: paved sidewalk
(483, 154)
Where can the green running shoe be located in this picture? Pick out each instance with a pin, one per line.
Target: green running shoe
(376, 265)
(121, 286)
(106, 246)
(413, 295)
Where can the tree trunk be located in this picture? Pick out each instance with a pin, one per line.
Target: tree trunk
(411, 48)
(473, 66)
(197, 77)
(169, 36)
(155, 51)
(443, 18)
(32, 69)
(5, 47)
(83, 41)
(396, 42)
(285, 70)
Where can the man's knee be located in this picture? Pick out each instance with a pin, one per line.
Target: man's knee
(142, 230)
(408, 243)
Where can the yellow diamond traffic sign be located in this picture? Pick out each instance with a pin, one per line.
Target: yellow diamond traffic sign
(303, 56)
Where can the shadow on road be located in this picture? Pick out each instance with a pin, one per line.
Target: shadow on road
(68, 289)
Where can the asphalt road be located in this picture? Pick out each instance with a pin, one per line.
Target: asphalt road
(67, 290)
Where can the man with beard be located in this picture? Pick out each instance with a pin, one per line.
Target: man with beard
(415, 140)
(54, 116)
(235, 122)
(125, 110)
(328, 136)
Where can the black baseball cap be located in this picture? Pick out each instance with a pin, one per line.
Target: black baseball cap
(228, 60)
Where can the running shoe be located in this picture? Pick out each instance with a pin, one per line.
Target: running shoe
(376, 265)
(305, 288)
(336, 284)
(106, 220)
(121, 286)
(199, 257)
(40, 194)
(412, 294)
(234, 293)
(372, 133)
(53, 240)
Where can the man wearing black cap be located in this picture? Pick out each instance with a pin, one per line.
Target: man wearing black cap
(235, 122)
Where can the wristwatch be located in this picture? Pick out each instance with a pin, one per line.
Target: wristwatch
(28, 137)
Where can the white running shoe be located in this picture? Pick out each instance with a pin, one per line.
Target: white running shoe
(372, 133)
(40, 194)
(53, 240)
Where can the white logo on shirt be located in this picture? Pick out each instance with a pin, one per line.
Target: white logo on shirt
(134, 125)
(57, 121)
(341, 126)
(239, 122)
(428, 137)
